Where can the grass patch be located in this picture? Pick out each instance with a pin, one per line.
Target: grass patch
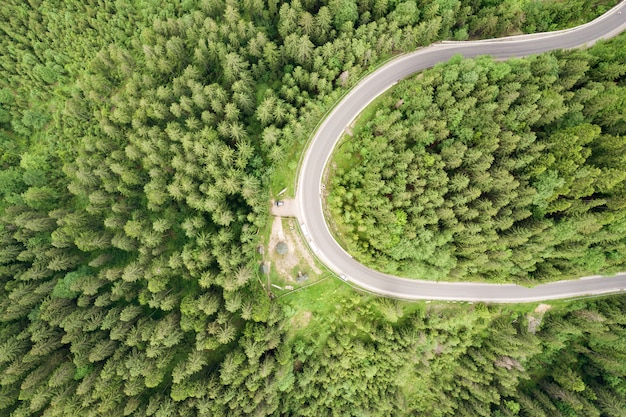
(284, 173)
(320, 298)
(309, 308)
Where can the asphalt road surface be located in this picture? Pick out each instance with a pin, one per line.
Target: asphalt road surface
(317, 154)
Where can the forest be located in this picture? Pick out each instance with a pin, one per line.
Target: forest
(490, 170)
(140, 143)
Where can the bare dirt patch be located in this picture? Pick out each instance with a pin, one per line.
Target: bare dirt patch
(289, 208)
(297, 256)
(534, 319)
(542, 308)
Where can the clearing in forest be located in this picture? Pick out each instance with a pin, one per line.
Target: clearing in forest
(297, 258)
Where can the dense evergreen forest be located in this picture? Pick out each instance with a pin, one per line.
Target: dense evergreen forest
(138, 140)
(492, 170)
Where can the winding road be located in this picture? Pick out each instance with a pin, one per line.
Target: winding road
(308, 194)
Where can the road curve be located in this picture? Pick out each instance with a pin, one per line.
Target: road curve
(308, 191)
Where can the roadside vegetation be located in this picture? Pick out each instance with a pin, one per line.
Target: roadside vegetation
(140, 142)
(495, 171)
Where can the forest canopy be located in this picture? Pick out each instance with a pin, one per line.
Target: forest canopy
(138, 142)
(491, 170)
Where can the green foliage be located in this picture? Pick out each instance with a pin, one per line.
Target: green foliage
(63, 287)
(343, 12)
(138, 140)
(497, 171)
